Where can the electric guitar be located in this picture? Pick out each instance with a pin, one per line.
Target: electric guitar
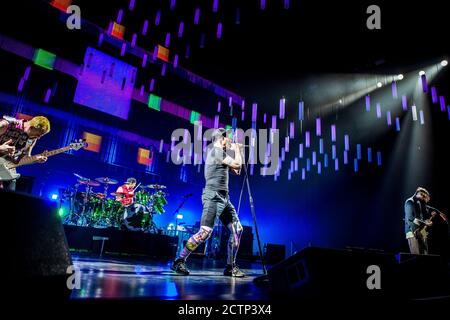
(8, 168)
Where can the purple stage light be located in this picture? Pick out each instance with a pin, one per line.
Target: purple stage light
(355, 164)
(188, 50)
(300, 150)
(367, 103)
(422, 120)
(369, 155)
(388, 118)
(286, 144)
(333, 133)
(296, 164)
(442, 102)
(301, 110)
(123, 49)
(345, 157)
(219, 30)
(346, 142)
(21, 84)
(145, 28)
(167, 41)
(308, 164)
(180, 29)
(163, 70)
(202, 40)
(141, 92)
(158, 18)
(263, 4)
(397, 123)
(333, 151)
(230, 101)
(144, 60)
(175, 61)
(321, 146)
(197, 16)
(448, 112)
(238, 16)
(424, 83)
(216, 122)
(172, 4)
(131, 6)
(434, 98)
(325, 160)
(314, 158)
(215, 5)
(100, 39)
(379, 158)
(378, 110)
(394, 89)
(133, 40)
(283, 154)
(336, 164)
(286, 4)
(318, 127)
(242, 116)
(303, 174)
(307, 139)
(282, 108)
(47, 95)
(152, 85)
(358, 152)
(404, 103)
(274, 122)
(291, 130)
(119, 16)
(264, 118)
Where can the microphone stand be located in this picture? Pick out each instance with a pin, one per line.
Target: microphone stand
(252, 207)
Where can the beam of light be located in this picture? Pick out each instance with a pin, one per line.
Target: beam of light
(219, 106)
(397, 123)
(283, 154)
(274, 122)
(379, 158)
(333, 151)
(219, 30)
(133, 40)
(265, 118)
(325, 160)
(336, 164)
(448, 112)
(333, 133)
(167, 41)
(131, 6)
(180, 29)
(263, 4)
(444, 63)
(100, 39)
(314, 158)
(21, 84)
(292, 130)
(358, 152)
(400, 76)
(215, 5)
(367, 103)
(421, 73)
(175, 61)
(319, 167)
(286, 144)
(216, 122)
(345, 157)
(172, 4)
(355, 164)
(307, 139)
(47, 95)
(119, 16)
(308, 164)
(282, 108)
(145, 28)
(158, 18)
(303, 174)
(422, 120)
(379, 84)
(242, 115)
(321, 146)
(300, 150)
(152, 85)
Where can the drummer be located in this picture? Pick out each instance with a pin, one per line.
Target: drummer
(125, 193)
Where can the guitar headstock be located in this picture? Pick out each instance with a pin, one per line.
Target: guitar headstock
(78, 144)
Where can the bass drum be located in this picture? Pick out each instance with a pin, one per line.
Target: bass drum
(135, 217)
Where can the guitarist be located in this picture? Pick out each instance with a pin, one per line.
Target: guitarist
(17, 139)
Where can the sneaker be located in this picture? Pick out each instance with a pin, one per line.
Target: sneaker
(179, 266)
(233, 271)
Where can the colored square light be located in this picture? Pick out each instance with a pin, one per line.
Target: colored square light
(154, 102)
(163, 53)
(118, 31)
(94, 141)
(44, 59)
(61, 4)
(143, 157)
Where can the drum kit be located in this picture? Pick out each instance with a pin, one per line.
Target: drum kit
(96, 209)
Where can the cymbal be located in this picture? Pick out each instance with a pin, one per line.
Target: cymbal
(155, 186)
(89, 183)
(106, 180)
(116, 194)
(79, 177)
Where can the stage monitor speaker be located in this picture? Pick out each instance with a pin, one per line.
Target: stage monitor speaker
(319, 272)
(36, 247)
(274, 253)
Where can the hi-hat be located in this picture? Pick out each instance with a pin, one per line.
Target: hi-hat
(106, 180)
(89, 183)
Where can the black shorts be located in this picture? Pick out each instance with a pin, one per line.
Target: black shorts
(217, 204)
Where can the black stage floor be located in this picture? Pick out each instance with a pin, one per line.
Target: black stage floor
(124, 278)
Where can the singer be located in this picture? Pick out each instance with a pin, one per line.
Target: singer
(216, 203)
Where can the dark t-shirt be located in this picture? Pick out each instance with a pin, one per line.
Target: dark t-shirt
(216, 173)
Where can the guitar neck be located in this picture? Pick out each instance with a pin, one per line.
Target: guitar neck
(32, 159)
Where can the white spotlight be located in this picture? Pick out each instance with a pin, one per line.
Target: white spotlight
(379, 84)
(444, 63)
(421, 73)
(400, 77)
(340, 101)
